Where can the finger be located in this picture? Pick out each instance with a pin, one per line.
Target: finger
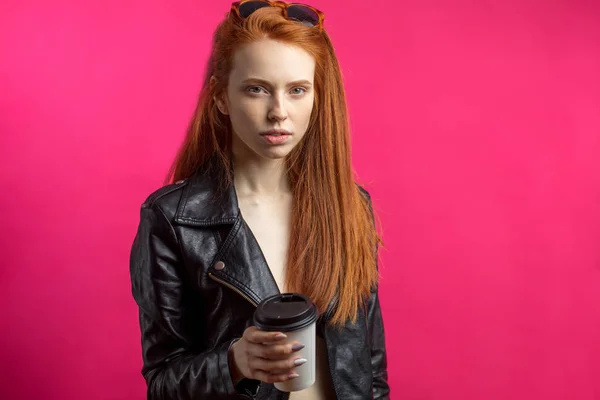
(275, 352)
(275, 367)
(270, 343)
(271, 378)
(254, 335)
(272, 352)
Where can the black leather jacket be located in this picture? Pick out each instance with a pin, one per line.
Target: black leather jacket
(191, 312)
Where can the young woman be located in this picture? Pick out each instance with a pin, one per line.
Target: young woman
(264, 201)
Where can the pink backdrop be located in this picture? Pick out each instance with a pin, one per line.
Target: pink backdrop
(476, 127)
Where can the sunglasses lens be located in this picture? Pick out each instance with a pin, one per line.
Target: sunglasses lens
(249, 7)
(303, 14)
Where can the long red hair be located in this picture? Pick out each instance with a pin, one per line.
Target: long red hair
(335, 237)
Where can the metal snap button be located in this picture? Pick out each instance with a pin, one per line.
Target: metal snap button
(219, 265)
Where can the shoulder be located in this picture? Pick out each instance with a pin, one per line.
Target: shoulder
(364, 192)
(166, 199)
(197, 199)
(366, 196)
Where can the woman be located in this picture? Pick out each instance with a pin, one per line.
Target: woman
(264, 202)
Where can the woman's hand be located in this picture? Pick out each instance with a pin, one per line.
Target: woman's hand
(264, 356)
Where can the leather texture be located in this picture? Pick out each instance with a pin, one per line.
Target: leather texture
(197, 274)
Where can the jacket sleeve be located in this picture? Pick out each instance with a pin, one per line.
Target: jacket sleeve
(381, 389)
(173, 368)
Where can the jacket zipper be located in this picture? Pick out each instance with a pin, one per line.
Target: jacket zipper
(329, 312)
(326, 317)
(230, 286)
(238, 291)
(331, 369)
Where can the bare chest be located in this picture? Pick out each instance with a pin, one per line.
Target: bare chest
(270, 223)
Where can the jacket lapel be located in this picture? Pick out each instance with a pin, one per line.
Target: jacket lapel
(239, 263)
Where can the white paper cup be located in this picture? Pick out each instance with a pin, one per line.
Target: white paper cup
(296, 316)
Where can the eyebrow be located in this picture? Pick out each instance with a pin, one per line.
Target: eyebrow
(266, 83)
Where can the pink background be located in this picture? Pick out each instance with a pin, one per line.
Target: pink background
(476, 128)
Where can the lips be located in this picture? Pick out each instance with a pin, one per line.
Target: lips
(276, 136)
(276, 132)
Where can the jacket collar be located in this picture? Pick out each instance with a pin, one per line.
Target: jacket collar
(204, 203)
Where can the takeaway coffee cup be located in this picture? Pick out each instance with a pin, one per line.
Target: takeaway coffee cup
(296, 316)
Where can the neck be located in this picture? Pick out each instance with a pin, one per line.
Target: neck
(260, 177)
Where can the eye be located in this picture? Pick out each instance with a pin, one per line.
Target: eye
(298, 90)
(255, 89)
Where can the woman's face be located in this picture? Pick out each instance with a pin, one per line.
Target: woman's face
(269, 98)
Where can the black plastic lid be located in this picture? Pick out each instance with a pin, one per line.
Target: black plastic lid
(285, 312)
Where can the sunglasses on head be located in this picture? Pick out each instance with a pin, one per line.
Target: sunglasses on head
(301, 13)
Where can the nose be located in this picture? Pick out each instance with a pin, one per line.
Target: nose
(277, 111)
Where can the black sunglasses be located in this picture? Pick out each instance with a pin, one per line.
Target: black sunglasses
(301, 13)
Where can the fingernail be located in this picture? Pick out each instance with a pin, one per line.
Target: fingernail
(292, 376)
(280, 336)
(297, 347)
(300, 361)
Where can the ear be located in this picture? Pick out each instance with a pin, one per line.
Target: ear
(220, 99)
